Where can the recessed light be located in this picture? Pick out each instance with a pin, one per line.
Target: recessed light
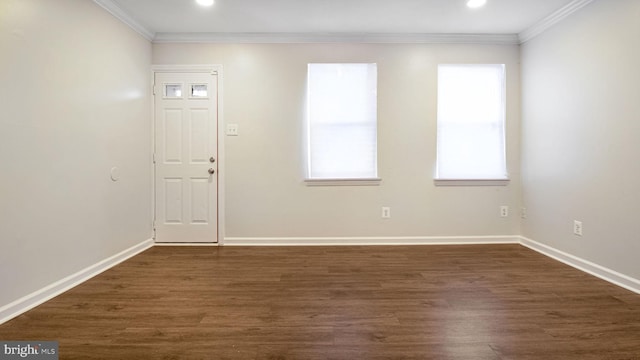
(476, 3)
(205, 2)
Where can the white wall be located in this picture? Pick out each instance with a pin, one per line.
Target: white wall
(74, 96)
(581, 135)
(264, 92)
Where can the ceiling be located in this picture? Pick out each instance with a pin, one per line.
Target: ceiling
(184, 18)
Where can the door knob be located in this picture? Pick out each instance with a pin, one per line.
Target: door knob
(211, 171)
(212, 160)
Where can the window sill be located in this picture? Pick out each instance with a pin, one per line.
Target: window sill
(343, 182)
(471, 182)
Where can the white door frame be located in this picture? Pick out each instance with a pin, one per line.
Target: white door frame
(217, 69)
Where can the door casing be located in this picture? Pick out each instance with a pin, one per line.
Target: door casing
(218, 70)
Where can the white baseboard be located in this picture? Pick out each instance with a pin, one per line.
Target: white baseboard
(36, 298)
(396, 240)
(596, 270)
(185, 244)
(599, 271)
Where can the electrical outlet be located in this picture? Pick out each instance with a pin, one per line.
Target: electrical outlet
(386, 212)
(504, 211)
(232, 129)
(523, 213)
(577, 227)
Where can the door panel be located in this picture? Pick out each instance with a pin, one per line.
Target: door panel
(199, 206)
(172, 121)
(186, 144)
(173, 201)
(199, 131)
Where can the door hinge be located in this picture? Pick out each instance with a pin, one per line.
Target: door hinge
(154, 158)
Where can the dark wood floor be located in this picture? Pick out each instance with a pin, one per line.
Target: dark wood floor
(417, 302)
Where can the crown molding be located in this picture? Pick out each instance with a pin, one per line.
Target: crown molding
(552, 19)
(372, 38)
(115, 10)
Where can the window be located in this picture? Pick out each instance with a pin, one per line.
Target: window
(471, 122)
(172, 91)
(341, 121)
(199, 91)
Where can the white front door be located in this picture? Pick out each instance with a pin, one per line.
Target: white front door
(186, 186)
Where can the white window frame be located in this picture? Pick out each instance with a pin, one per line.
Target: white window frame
(501, 122)
(336, 181)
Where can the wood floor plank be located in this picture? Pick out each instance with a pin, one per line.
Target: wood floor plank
(492, 302)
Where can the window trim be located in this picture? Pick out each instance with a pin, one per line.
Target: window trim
(349, 181)
(343, 182)
(498, 181)
(471, 182)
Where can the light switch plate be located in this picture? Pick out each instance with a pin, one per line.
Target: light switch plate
(232, 129)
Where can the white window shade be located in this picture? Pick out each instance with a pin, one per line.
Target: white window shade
(471, 122)
(341, 121)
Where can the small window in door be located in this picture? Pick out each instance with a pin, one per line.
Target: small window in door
(199, 91)
(172, 91)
